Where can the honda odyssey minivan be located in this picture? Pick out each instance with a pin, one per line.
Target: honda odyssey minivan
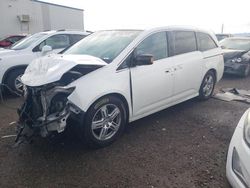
(114, 77)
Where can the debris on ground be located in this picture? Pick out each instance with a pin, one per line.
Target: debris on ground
(8, 136)
(233, 94)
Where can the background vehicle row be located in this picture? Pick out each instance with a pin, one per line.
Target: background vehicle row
(15, 60)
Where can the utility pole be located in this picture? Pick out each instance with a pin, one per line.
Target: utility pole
(222, 28)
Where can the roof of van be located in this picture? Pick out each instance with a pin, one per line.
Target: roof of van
(179, 27)
(151, 29)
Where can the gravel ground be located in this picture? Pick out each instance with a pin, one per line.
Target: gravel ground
(182, 146)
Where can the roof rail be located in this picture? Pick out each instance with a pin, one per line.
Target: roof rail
(89, 31)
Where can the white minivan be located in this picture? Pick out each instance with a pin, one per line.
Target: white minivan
(117, 76)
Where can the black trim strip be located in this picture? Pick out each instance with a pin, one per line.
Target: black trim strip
(131, 90)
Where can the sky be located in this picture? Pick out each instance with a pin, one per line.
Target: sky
(139, 14)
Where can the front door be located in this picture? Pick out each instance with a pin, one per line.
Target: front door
(152, 85)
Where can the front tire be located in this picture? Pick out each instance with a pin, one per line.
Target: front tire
(104, 122)
(207, 86)
(13, 82)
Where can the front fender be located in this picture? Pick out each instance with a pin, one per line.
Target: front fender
(97, 84)
(84, 103)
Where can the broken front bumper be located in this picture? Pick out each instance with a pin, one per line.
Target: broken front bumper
(235, 68)
(46, 111)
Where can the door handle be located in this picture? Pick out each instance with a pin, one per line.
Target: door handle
(168, 71)
(173, 69)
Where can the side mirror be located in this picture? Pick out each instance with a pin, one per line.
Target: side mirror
(144, 59)
(46, 49)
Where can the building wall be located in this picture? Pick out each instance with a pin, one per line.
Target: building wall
(43, 16)
(65, 18)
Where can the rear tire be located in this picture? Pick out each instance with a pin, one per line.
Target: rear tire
(207, 86)
(13, 82)
(104, 122)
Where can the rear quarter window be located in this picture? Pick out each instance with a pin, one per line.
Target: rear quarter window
(184, 42)
(205, 42)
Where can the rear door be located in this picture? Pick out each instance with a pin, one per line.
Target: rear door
(187, 62)
(152, 85)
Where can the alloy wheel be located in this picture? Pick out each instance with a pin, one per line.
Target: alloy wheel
(18, 84)
(106, 122)
(208, 85)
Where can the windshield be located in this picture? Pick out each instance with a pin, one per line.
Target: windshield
(26, 42)
(105, 45)
(236, 44)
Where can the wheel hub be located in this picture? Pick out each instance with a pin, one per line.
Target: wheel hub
(106, 122)
(208, 85)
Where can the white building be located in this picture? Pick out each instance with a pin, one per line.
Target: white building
(31, 16)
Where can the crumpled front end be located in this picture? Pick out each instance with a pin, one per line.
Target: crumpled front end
(235, 68)
(236, 62)
(45, 111)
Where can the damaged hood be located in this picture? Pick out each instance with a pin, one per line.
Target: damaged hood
(230, 54)
(50, 69)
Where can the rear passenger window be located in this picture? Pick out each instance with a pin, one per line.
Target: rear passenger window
(205, 42)
(184, 42)
(156, 44)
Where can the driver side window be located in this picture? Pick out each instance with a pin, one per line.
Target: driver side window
(156, 45)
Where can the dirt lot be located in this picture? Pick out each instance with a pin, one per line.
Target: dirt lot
(183, 146)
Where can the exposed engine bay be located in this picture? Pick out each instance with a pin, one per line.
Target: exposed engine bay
(46, 109)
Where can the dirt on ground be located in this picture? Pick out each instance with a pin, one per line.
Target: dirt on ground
(184, 146)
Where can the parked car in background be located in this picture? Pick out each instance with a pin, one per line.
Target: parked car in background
(117, 76)
(15, 60)
(10, 40)
(223, 36)
(238, 158)
(236, 55)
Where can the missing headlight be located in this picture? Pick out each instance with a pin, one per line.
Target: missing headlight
(45, 110)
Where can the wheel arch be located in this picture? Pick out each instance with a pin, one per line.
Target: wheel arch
(209, 70)
(215, 73)
(121, 97)
(5, 76)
